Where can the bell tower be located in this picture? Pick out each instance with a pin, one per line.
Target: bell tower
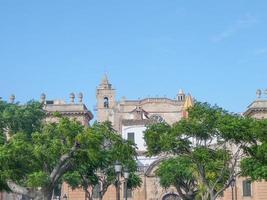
(106, 103)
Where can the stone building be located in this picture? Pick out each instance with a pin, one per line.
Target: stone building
(130, 118)
(244, 188)
(71, 109)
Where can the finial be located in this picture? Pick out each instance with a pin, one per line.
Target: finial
(42, 98)
(258, 93)
(80, 97)
(72, 96)
(12, 98)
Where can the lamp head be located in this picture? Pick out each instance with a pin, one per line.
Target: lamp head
(126, 174)
(117, 167)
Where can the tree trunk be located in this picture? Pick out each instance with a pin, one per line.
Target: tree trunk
(205, 196)
(212, 196)
(43, 194)
(88, 196)
(48, 194)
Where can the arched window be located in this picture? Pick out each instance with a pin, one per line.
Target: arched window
(106, 102)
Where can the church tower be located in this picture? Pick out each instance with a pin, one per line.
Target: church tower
(106, 102)
(181, 95)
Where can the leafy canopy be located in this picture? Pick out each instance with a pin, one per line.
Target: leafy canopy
(204, 140)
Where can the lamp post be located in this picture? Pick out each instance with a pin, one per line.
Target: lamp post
(126, 177)
(117, 171)
(232, 186)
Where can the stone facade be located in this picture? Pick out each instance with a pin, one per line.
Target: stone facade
(77, 111)
(258, 190)
(130, 118)
(133, 116)
(170, 110)
(73, 110)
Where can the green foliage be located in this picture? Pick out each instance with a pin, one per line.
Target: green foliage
(254, 164)
(134, 181)
(32, 156)
(37, 179)
(102, 147)
(155, 136)
(176, 171)
(201, 139)
(27, 118)
(34, 149)
(73, 179)
(30, 160)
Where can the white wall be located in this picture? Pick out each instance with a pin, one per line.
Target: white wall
(138, 131)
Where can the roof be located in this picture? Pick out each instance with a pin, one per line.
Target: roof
(131, 122)
(257, 105)
(188, 102)
(152, 100)
(68, 109)
(104, 83)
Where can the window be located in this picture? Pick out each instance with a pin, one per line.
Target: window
(130, 137)
(129, 192)
(96, 191)
(246, 188)
(49, 102)
(157, 118)
(106, 102)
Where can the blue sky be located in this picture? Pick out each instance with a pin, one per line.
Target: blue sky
(216, 50)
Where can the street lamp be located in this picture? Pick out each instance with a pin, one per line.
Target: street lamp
(232, 186)
(126, 177)
(117, 171)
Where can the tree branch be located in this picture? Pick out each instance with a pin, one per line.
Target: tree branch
(60, 167)
(20, 190)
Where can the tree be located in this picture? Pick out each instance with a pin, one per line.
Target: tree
(179, 172)
(34, 164)
(254, 165)
(35, 155)
(209, 139)
(16, 119)
(96, 166)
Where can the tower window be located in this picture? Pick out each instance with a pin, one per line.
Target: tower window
(106, 102)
